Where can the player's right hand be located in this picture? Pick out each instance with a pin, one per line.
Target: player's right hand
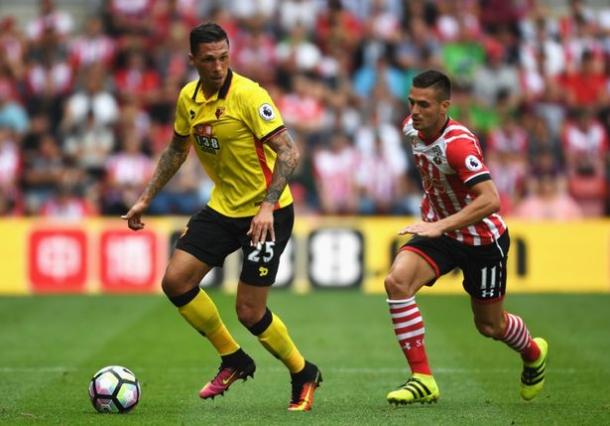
(424, 229)
(134, 216)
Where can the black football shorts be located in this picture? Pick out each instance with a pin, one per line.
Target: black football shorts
(484, 267)
(211, 237)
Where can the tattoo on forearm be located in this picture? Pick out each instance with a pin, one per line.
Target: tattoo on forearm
(286, 162)
(170, 161)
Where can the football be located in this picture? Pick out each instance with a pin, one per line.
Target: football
(114, 389)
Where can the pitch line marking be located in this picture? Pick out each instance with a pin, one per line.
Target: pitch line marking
(337, 370)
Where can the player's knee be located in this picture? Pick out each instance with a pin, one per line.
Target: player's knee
(248, 314)
(175, 283)
(168, 285)
(490, 329)
(396, 287)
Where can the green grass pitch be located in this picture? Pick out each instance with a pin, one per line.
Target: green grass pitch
(50, 346)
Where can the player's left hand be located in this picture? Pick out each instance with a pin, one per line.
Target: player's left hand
(425, 229)
(134, 216)
(261, 225)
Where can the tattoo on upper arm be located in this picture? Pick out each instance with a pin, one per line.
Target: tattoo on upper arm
(170, 161)
(286, 162)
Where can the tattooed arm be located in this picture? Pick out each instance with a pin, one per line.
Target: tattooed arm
(170, 161)
(285, 163)
(287, 160)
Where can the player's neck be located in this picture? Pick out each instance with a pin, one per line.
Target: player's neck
(209, 91)
(432, 133)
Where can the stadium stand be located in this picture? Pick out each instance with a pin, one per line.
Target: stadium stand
(87, 91)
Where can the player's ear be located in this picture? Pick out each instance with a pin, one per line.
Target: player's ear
(445, 105)
(191, 58)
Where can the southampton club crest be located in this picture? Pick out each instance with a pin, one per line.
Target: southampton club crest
(437, 156)
(266, 112)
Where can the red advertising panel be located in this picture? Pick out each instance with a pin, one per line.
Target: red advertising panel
(57, 260)
(128, 261)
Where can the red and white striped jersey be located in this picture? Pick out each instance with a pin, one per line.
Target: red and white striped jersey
(449, 166)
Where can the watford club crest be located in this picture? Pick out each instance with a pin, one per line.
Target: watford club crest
(203, 130)
(219, 112)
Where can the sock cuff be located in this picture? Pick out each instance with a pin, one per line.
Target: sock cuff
(184, 298)
(236, 358)
(397, 301)
(305, 374)
(263, 324)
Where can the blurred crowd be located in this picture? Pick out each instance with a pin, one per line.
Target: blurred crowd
(87, 107)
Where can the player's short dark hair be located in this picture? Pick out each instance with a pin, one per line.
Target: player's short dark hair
(206, 33)
(435, 79)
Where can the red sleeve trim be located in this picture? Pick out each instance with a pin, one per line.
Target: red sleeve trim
(271, 134)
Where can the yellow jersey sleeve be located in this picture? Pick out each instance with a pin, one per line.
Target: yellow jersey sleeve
(260, 113)
(182, 122)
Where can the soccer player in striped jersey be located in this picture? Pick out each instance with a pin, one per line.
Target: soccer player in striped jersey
(460, 228)
(241, 141)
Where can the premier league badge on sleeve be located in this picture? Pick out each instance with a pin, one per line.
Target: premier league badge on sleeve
(266, 112)
(473, 163)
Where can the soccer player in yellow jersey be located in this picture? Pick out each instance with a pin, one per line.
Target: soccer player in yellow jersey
(242, 143)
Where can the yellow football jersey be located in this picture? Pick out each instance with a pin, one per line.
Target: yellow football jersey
(229, 131)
